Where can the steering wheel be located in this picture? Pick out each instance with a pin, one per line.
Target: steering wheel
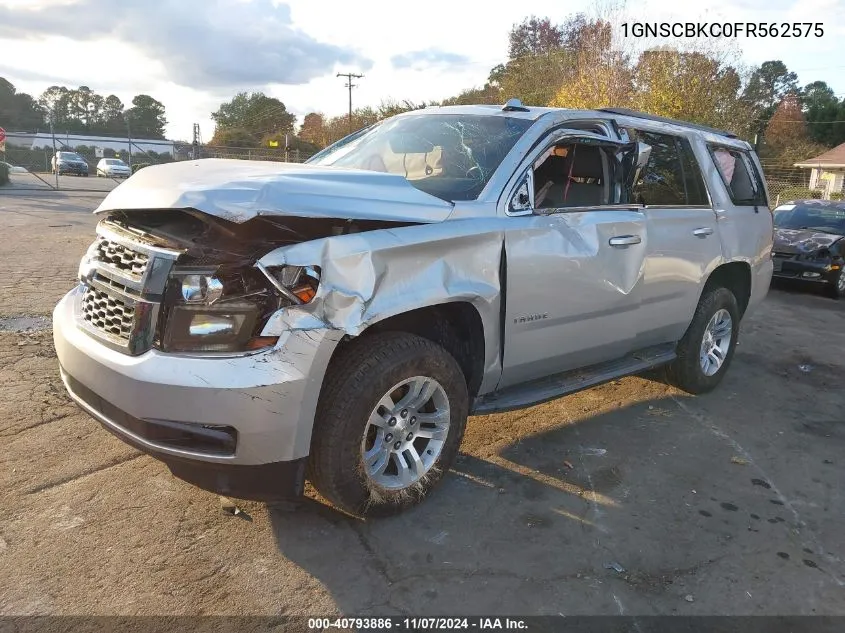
(475, 172)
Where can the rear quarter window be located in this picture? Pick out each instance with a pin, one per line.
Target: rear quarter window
(740, 176)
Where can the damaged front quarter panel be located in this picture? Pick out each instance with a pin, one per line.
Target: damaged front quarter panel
(369, 277)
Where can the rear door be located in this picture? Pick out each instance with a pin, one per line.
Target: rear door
(573, 272)
(684, 244)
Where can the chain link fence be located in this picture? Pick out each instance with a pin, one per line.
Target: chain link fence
(30, 156)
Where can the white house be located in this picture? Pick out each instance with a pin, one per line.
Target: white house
(828, 171)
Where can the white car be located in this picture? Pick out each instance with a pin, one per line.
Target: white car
(113, 167)
(14, 169)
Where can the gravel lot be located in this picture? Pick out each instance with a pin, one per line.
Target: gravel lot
(629, 498)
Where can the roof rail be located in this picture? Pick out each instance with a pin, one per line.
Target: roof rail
(514, 105)
(662, 119)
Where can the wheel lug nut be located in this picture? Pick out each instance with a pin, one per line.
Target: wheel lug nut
(410, 437)
(397, 445)
(404, 413)
(392, 421)
(388, 437)
(413, 419)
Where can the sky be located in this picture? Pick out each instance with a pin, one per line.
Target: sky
(193, 55)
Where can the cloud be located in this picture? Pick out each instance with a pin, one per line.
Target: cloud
(212, 45)
(428, 58)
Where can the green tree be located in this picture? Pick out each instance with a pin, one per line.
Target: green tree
(113, 122)
(18, 110)
(146, 117)
(255, 113)
(825, 114)
(767, 86)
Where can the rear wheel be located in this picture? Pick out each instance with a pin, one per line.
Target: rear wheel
(391, 418)
(707, 348)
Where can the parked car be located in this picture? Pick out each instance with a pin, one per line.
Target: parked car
(252, 323)
(69, 163)
(113, 168)
(809, 244)
(14, 169)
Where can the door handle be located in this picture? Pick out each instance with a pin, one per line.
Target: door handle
(625, 240)
(703, 231)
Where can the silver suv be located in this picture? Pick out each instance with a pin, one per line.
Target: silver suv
(252, 324)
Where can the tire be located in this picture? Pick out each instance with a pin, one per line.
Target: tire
(836, 287)
(687, 371)
(351, 398)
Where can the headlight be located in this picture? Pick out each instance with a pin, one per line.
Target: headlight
(223, 309)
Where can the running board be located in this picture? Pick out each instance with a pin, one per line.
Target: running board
(545, 389)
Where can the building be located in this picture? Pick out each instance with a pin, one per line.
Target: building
(828, 171)
(45, 139)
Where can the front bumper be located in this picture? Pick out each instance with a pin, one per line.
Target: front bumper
(809, 271)
(226, 420)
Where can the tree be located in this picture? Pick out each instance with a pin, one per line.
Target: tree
(691, 86)
(18, 110)
(598, 74)
(767, 86)
(234, 137)
(313, 129)
(255, 113)
(787, 139)
(146, 117)
(825, 114)
(113, 121)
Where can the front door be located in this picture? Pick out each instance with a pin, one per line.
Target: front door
(574, 260)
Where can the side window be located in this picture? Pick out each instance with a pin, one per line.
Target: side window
(662, 181)
(572, 174)
(740, 176)
(672, 176)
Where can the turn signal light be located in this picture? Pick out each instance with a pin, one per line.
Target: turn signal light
(305, 293)
(260, 342)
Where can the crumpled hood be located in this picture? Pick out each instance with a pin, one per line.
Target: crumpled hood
(238, 190)
(796, 241)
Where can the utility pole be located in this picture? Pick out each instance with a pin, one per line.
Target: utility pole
(129, 143)
(350, 85)
(196, 144)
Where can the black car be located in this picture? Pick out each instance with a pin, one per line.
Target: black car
(809, 243)
(70, 163)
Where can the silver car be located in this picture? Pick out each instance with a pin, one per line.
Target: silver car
(113, 168)
(252, 324)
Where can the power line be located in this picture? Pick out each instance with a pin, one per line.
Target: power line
(350, 85)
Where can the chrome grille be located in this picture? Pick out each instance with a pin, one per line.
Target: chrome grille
(123, 282)
(107, 314)
(122, 258)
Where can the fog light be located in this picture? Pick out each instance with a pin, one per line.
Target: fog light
(212, 325)
(811, 275)
(201, 289)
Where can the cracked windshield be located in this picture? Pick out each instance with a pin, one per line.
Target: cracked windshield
(448, 156)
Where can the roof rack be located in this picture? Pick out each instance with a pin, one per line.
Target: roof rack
(662, 119)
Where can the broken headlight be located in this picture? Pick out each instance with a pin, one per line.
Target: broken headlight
(224, 309)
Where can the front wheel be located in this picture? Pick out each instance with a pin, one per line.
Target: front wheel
(836, 287)
(707, 348)
(390, 421)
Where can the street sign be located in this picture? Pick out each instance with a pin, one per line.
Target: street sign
(98, 152)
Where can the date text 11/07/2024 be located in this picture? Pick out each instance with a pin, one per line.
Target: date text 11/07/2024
(404, 624)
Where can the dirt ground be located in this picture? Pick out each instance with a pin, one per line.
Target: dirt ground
(630, 498)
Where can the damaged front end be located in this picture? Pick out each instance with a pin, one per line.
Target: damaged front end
(181, 281)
